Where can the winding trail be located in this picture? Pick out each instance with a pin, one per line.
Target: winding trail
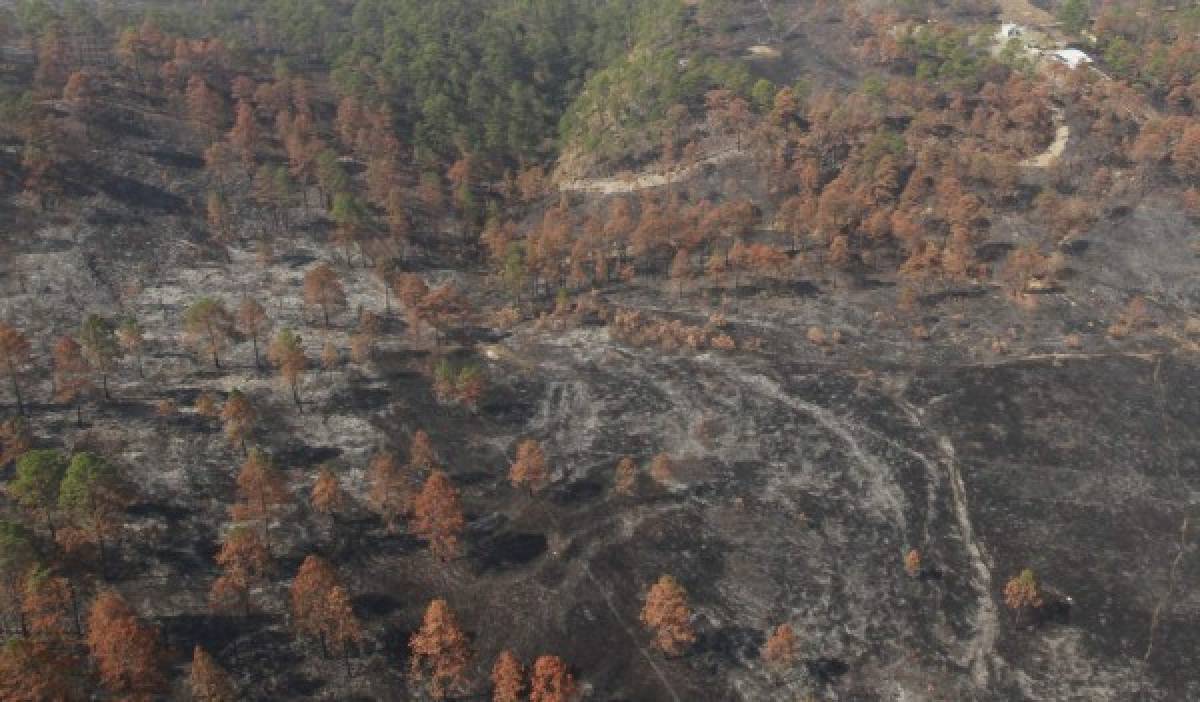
(1172, 579)
(1172, 573)
(978, 652)
(1049, 157)
(875, 469)
(982, 644)
(646, 179)
(888, 496)
(633, 637)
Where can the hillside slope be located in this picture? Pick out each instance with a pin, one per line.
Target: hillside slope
(870, 352)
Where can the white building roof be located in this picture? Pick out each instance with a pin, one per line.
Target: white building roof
(1009, 30)
(1072, 57)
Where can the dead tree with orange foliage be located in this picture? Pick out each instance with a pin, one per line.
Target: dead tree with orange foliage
(662, 468)
(327, 496)
(252, 321)
(14, 355)
(330, 356)
(438, 516)
(780, 649)
(668, 616)
(626, 478)
(15, 439)
(410, 290)
(362, 341)
(126, 650)
(242, 88)
(33, 670)
(53, 58)
(287, 352)
(244, 562)
(443, 307)
(422, 456)
(49, 606)
(1185, 159)
(343, 628)
(440, 651)
(1022, 593)
(43, 664)
(244, 135)
(205, 107)
(529, 469)
(208, 681)
(508, 678)
(912, 563)
(323, 289)
(321, 608)
(72, 375)
(208, 326)
(551, 681)
(309, 590)
(390, 492)
(262, 490)
(220, 163)
(239, 417)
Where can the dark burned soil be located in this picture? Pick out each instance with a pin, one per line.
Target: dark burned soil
(800, 487)
(803, 477)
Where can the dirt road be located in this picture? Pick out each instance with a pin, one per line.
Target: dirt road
(645, 179)
(1062, 135)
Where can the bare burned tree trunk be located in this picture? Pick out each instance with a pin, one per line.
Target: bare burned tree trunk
(12, 375)
(212, 345)
(75, 608)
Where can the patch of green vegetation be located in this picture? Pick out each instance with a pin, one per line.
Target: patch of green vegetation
(503, 79)
(1016, 56)
(15, 106)
(630, 99)
(953, 58)
(492, 77)
(1074, 15)
(883, 143)
(1121, 57)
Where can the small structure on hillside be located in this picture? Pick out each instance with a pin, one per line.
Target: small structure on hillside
(1071, 58)
(1009, 30)
(762, 51)
(1026, 39)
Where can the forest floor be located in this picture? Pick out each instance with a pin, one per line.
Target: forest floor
(804, 474)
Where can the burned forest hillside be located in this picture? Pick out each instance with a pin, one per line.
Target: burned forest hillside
(563, 350)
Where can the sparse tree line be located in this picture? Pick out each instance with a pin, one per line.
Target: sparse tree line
(78, 503)
(51, 563)
(81, 365)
